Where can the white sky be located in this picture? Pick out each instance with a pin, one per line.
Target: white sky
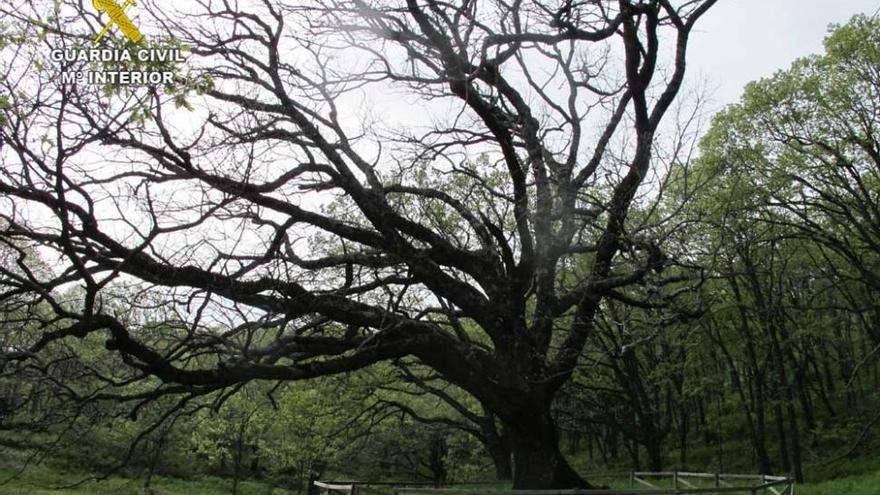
(742, 40)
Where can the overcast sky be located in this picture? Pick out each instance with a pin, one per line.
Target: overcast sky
(742, 40)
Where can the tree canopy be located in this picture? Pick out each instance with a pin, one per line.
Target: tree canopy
(387, 233)
(250, 195)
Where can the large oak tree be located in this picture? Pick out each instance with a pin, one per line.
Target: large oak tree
(292, 233)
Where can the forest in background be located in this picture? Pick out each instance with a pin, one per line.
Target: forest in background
(757, 351)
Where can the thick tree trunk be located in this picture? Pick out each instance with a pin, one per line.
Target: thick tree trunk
(503, 466)
(590, 435)
(633, 449)
(500, 454)
(538, 462)
(782, 438)
(794, 434)
(655, 456)
(437, 462)
(684, 430)
(760, 433)
(497, 444)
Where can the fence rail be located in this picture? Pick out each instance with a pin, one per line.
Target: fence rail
(321, 488)
(640, 483)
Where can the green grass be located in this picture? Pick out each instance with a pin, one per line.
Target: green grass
(860, 484)
(44, 481)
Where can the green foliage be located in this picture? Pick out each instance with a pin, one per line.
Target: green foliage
(4, 105)
(764, 205)
(46, 481)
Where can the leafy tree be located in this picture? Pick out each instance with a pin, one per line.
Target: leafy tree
(804, 145)
(786, 197)
(251, 195)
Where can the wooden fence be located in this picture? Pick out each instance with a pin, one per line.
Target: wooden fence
(661, 483)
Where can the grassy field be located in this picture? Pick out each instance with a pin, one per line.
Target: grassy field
(862, 484)
(44, 481)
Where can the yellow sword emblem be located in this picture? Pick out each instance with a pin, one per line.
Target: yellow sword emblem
(118, 17)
